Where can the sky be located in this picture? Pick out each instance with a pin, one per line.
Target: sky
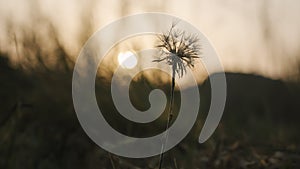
(257, 36)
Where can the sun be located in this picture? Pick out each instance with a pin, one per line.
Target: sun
(127, 60)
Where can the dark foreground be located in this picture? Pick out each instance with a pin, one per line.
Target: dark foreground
(39, 128)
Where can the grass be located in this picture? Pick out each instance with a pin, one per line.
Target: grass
(43, 132)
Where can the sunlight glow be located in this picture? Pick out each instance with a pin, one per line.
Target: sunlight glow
(127, 60)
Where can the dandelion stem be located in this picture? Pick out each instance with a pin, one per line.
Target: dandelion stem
(170, 117)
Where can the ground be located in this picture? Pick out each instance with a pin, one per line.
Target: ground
(39, 127)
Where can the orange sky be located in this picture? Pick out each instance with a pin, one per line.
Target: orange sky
(250, 36)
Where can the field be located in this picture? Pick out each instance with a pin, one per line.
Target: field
(39, 127)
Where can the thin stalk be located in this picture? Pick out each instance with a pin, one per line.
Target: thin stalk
(170, 117)
(112, 161)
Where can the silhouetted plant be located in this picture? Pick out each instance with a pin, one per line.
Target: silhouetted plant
(179, 50)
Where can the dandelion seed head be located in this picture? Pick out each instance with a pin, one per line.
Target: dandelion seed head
(178, 49)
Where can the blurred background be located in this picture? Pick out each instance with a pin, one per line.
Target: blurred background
(257, 42)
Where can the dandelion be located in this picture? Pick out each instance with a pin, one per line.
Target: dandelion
(179, 50)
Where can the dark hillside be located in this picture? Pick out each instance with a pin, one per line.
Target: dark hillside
(39, 128)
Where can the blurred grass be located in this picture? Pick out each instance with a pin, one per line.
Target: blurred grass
(39, 128)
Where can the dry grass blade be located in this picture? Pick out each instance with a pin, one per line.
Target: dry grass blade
(112, 161)
(175, 163)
